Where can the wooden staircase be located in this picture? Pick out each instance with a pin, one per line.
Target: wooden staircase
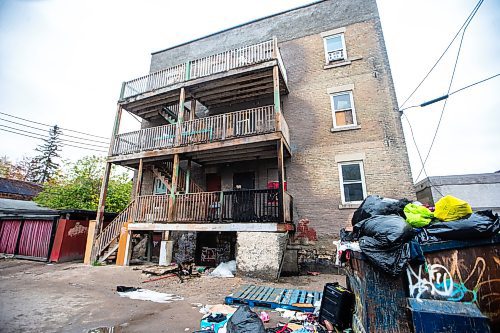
(106, 243)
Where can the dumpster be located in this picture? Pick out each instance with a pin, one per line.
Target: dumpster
(465, 272)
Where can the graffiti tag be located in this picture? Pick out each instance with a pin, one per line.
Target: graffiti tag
(78, 229)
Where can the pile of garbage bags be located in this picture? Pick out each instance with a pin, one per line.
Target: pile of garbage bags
(390, 231)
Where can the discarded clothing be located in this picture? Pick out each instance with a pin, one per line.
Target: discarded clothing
(376, 205)
(124, 289)
(449, 208)
(342, 247)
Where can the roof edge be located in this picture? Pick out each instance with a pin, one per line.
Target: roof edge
(239, 26)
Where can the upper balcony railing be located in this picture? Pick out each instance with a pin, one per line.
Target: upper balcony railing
(221, 127)
(217, 63)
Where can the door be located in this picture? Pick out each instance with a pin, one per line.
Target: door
(243, 197)
(213, 182)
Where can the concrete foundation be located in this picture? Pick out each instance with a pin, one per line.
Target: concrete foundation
(259, 254)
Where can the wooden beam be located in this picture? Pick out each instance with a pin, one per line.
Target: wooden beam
(192, 112)
(188, 176)
(236, 86)
(229, 81)
(173, 188)
(276, 94)
(281, 180)
(260, 146)
(240, 92)
(102, 198)
(138, 183)
(248, 227)
(180, 115)
(234, 159)
(116, 128)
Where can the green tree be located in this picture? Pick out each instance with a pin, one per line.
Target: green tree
(45, 165)
(79, 187)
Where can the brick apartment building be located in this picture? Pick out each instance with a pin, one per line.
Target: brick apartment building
(250, 129)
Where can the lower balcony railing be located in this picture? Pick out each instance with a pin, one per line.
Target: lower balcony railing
(244, 206)
(221, 127)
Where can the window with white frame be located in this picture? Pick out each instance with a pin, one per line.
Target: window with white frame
(335, 48)
(343, 109)
(352, 182)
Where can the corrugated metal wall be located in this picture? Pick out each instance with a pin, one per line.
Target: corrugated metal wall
(35, 238)
(9, 233)
(27, 238)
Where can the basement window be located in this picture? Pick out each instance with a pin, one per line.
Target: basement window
(335, 48)
(352, 182)
(343, 111)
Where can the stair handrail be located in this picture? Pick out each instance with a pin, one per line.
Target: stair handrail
(113, 229)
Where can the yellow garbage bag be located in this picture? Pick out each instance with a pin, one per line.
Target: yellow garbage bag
(449, 208)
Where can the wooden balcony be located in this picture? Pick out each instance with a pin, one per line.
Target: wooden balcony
(202, 211)
(215, 81)
(252, 128)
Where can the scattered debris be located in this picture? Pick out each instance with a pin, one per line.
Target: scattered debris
(225, 269)
(159, 278)
(313, 273)
(146, 295)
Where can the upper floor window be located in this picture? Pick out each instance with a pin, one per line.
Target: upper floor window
(343, 109)
(335, 48)
(352, 182)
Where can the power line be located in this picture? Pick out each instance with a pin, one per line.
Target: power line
(63, 140)
(467, 21)
(44, 130)
(451, 83)
(438, 99)
(42, 138)
(66, 129)
(420, 155)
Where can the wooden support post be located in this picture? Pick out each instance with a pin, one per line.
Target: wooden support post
(173, 189)
(102, 199)
(281, 180)
(188, 176)
(192, 113)
(138, 183)
(116, 129)
(180, 116)
(277, 101)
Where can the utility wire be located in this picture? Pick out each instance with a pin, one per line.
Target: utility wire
(66, 129)
(420, 155)
(44, 130)
(449, 86)
(467, 21)
(42, 138)
(438, 99)
(63, 140)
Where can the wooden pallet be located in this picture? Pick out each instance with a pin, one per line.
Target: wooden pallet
(268, 297)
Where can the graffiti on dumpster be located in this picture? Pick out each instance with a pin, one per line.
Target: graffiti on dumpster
(78, 229)
(449, 278)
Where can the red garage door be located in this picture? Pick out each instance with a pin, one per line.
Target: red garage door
(9, 233)
(35, 238)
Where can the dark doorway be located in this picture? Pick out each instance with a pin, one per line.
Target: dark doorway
(243, 199)
(244, 181)
(213, 182)
(212, 248)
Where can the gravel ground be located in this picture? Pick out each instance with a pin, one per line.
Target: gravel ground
(72, 297)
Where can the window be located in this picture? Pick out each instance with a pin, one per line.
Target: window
(335, 48)
(343, 109)
(159, 187)
(352, 182)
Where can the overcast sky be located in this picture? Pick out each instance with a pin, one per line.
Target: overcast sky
(62, 62)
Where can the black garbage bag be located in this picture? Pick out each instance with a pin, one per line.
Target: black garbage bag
(377, 205)
(481, 224)
(384, 240)
(245, 320)
(391, 260)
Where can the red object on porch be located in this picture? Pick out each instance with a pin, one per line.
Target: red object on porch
(9, 232)
(70, 240)
(35, 238)
(274, 185)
